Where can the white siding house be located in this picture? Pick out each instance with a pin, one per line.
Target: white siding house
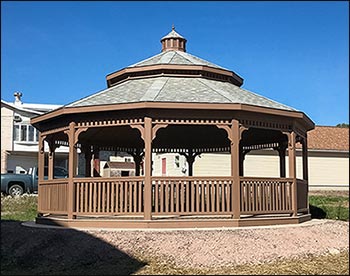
(19, 139)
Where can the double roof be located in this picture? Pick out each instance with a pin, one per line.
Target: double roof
(199, 86)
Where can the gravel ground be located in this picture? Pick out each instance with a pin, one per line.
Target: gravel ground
(227, 247)
(50, 251)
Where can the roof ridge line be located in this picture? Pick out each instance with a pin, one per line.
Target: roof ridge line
(219, 92)
(180, 54)
(167, 79)
(152, 92)
(172, 56)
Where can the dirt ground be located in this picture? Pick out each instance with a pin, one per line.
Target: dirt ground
(124, 252)
(329, 193)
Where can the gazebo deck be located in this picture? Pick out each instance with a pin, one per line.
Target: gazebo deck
(178, 222)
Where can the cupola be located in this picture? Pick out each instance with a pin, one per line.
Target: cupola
(173, 42)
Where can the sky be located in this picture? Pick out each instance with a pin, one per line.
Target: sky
(295, 53)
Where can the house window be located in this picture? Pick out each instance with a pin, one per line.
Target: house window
(25, 133)
(31, 131)
(16, 132)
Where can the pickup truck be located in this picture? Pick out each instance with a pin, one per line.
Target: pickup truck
(18, 184)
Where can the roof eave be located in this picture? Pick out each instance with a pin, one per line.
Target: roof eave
(308, 124)
(125, 72)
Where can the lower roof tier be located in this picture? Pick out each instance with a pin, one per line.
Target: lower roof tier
(177, 90)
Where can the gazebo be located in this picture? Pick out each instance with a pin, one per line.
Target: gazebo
(172, 102)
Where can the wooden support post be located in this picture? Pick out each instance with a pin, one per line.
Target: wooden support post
(148, 169)
(235, 134)
(282, 155)
(96, 166)
(88, 157)
(51, 162)
(41, 167)
(292, 171)
(71, 169)
(41, 158)
(51, 165)
(305, 170)
(305, 159)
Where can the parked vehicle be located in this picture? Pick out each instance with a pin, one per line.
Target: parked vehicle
(18, 184)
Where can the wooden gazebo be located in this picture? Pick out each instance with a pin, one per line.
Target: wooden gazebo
(172, 102)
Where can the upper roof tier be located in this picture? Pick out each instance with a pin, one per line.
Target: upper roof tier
(173, 60)
(178, 77)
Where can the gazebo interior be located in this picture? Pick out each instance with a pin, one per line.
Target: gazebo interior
(172, 103)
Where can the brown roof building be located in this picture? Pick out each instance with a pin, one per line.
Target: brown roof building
(328, 138)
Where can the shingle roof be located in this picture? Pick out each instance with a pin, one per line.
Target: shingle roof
(175, 57)
(172, 34)
(329, 138)
(176, 89)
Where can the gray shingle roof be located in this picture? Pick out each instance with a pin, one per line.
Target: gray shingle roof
(173, 34)
(176, 89)
(175, 57)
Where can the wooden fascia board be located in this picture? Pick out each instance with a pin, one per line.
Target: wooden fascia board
(172, 67)
(165, 105)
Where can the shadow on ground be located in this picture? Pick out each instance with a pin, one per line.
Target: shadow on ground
(317, 213)
(42, 251)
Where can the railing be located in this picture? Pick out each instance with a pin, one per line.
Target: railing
(191, 195)
(171, 196)
(108, 196)
(266, 195)
(52, 196)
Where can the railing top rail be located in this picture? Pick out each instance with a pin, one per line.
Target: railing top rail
(53, 181)
(193, 178)
(283, 179)
(108, 179)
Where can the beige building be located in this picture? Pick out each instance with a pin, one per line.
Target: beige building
(328, 161)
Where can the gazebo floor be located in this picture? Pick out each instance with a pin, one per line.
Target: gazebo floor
(171, 221)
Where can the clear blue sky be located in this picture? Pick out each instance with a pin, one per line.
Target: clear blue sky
(296, 53)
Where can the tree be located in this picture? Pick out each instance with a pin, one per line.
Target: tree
(344, 125)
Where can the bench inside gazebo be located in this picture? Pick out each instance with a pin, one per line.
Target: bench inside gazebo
(172, 102)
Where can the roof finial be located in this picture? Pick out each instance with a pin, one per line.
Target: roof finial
(173, 27)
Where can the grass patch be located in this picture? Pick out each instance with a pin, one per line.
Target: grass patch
(22, 208)
(312, 265)
(330, 207)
